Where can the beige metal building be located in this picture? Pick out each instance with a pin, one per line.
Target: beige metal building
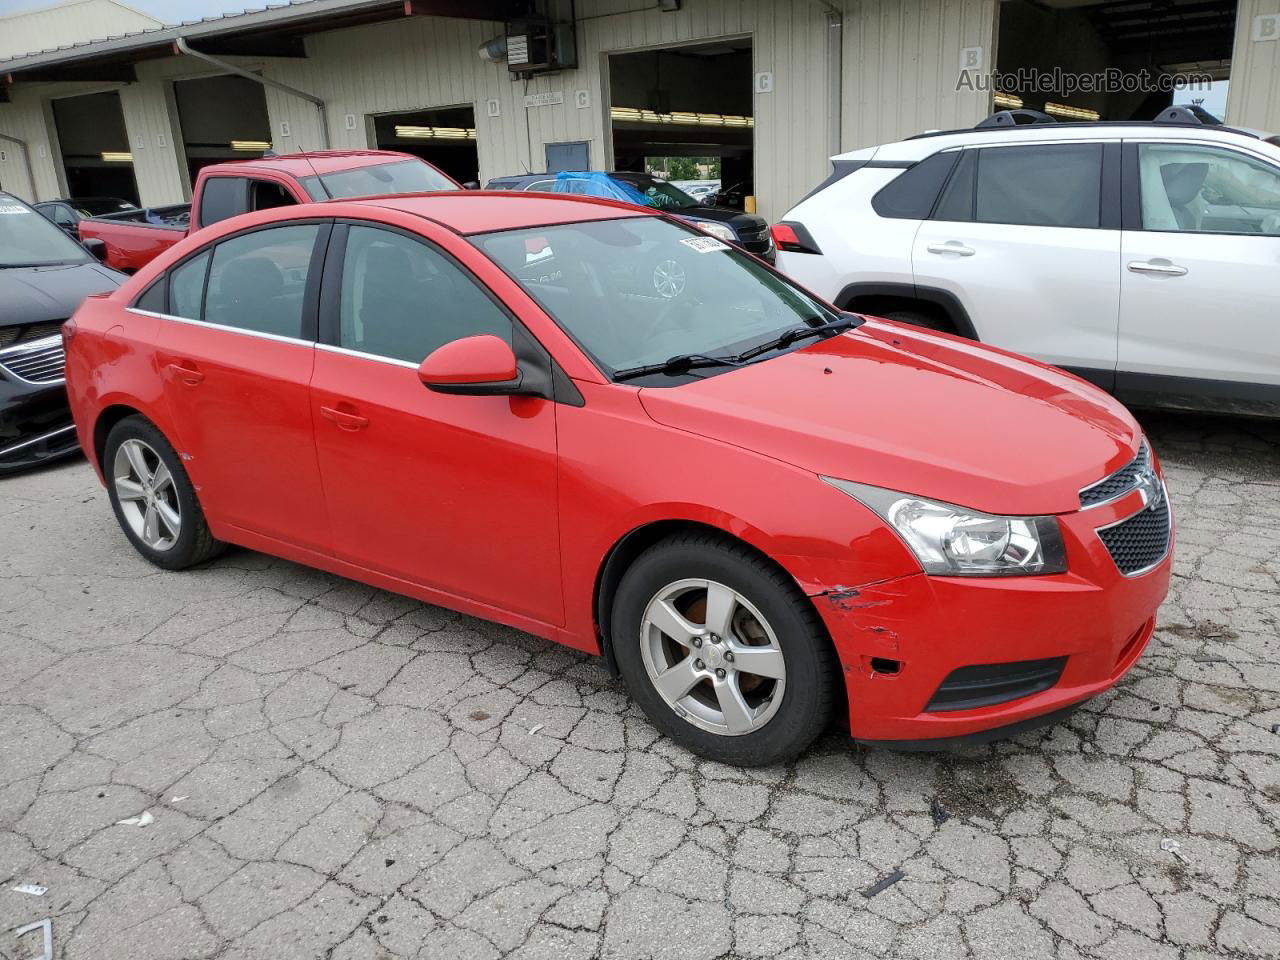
(774, 86)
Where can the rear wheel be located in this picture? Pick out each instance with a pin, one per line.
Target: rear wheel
(153, 498)
(722, 651)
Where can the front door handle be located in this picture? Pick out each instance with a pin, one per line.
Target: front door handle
(951, 246)
(188, 375)
(1159, 265)
(345, 420)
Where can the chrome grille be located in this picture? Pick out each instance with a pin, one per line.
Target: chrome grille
(1141, 541)
(32, 331)
(1118, 484)
(35, 361)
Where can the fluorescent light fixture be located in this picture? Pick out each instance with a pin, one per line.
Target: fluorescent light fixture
(1071, 113)
(682, 118)
(117, 157)
(412, 132)
(258, 146)
(1008, 101)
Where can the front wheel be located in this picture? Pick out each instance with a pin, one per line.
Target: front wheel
(722, 651)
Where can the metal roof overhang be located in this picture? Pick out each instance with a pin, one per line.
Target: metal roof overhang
(276, 31)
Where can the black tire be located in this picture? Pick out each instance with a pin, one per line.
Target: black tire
(194, 543)
(916, 318)
(812, 669)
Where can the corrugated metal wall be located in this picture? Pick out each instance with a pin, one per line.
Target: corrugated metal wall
(1253, 99)
(902, 64)
(67, 23)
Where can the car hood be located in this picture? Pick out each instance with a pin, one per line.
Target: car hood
(41, 294)
(921, 413)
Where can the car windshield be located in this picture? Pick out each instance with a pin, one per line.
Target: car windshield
(660, 194)
(377, 179)
(28, 239)
(641, 290)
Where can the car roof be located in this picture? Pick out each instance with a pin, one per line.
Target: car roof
(316, 161)
(927, 144)
(484, 211)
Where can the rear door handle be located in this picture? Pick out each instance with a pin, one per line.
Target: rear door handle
(951, 246)
(347, 421)
(188, 375)
(1159, 265)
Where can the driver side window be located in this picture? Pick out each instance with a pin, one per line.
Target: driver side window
(401, 299)
(1194, 189)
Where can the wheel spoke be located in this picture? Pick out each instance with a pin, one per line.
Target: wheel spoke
(169, 517)
(721, 602)
(674, 682)
(664, 616)
(137, 461)
(738, 716)
(127, 489)
(151, 525)
(760, 661)
(162, 477)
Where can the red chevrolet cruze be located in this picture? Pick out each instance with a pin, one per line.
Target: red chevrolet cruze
(598, 425)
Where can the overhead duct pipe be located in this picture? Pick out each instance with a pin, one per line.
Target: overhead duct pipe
(182, 47)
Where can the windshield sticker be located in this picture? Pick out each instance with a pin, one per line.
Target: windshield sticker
(704, 244)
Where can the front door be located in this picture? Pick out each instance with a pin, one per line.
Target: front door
(1028, 240)
(236, 357)
(454, 493)
(1200, 302)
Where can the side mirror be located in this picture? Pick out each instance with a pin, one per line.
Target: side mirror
(475, 366)
(471, 185)
(96, 247)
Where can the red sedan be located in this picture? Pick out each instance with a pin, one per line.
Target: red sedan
(598, 425)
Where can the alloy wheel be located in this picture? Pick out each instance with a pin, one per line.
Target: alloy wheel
(147, 495)
(712, 657)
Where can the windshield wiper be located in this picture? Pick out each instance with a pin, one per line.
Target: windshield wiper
(677, 364)
(840, 324)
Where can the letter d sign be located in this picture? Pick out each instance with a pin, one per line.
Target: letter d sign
(1266, 27)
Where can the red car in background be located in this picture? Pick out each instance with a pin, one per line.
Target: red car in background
(225, 190)
(601, 426)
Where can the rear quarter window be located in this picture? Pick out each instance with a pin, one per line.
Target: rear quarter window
(912, 194)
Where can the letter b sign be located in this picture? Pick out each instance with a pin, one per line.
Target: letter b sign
(1266, 27)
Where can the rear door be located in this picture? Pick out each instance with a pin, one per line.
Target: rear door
(1200, 302)
(1027, 237)
(236, 359)
(455, 493)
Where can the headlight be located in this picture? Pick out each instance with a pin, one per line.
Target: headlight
(959, 542)
(717, 230)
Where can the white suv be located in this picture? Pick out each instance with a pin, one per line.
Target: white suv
(1144, 257)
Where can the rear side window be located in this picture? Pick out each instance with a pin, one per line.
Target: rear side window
(154, 297)
(911, 195)
(223, 197)
(186, 287)
(1057, 185)
(265, 195)
(258, 281)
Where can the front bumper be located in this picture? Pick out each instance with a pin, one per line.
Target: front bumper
(35, 424)
(900, 639)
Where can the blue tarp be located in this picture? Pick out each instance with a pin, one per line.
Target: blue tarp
(599, 185)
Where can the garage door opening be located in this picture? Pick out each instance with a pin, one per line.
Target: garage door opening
(96, 158)
(222, 118)
(685, 114)
(1141, 54)
(444, 136)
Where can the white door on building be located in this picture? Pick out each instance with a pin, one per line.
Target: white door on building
(1022, 238)
(1200, 292)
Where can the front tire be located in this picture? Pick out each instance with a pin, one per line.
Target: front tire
(722, 651)
(153, 498)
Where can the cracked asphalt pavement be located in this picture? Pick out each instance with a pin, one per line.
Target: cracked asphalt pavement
(334, 771)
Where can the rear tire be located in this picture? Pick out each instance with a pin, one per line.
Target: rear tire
(153, 498)
(695, 673)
